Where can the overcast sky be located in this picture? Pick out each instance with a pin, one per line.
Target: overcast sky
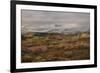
(44, 21)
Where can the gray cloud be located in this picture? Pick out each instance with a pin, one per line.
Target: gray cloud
(44, 21)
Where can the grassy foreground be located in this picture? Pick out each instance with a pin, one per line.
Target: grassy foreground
(45, 47)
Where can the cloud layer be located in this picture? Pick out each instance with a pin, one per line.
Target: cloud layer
(49, 21)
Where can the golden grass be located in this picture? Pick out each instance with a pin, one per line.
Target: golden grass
(55, 48)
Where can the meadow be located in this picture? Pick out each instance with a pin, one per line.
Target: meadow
(43, 47)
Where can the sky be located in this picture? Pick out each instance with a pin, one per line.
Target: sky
(52, 21)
